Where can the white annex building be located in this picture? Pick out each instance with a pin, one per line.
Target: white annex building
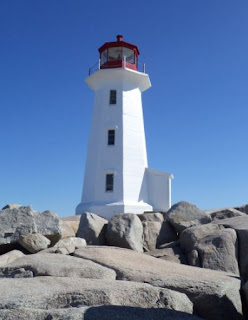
(117, 178)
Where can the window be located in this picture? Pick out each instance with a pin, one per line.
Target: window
(111, 137)
(129, 54)
(115, 54)
(109, 182)
(112, 97)
(104, 57)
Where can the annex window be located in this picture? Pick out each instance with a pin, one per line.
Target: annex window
(112, 97)
(111, 137)
(109, 182)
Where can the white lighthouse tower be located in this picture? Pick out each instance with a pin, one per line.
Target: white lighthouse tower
(117, 178)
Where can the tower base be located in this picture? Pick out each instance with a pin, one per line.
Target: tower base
(107, 211)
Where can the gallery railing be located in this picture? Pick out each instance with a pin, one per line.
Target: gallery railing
(141, 67)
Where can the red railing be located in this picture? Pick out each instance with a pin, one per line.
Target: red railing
(141, 67)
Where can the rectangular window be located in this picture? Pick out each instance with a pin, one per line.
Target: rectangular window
(112, 97)
(109, 182)
(111, 137)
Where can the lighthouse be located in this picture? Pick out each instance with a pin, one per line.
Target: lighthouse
(117, 178)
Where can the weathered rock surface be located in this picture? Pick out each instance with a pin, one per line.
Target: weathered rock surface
(125, 231)
(219, 214)
(96, 313)
(92, 228)
(184, 215)
(70, 244)
(63, 250)
(47, 223)
(10, 257)
(156, 230)
(16, 222)
(66, 229)
(48, 264)
(170, 252)
(34, 242)
(193, 258)
(243, 208)
(240, 225)
(97, 280)
(215, 294)
(11, 206)
(217, 247)
(59, 292)
(73, 221)
(66, 246)
(189, 236)
(220, 251)
(22, 221)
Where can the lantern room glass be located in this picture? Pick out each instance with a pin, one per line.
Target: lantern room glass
(129, 54)
(118, 54)
(115, 54)
(104, 56)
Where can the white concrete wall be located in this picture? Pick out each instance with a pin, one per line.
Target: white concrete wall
(127, 159)
(102, 158)
(134, 146)
(159, 189)
(136, 188)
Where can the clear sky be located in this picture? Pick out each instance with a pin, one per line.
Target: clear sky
(195, 113)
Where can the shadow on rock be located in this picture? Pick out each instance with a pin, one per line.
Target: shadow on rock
(127, 313)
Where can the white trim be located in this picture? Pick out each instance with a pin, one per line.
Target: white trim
(161, 173)
(101, 77)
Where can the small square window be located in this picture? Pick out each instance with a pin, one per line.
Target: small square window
(111, 137)
(109, 182)
(112, 97)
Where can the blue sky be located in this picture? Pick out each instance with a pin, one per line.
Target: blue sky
(195, 112)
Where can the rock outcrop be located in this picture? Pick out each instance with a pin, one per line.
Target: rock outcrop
(34, 242)
(11, 206)
(156, 230)
(18, 222)
(169, 252)
(73, 221)
(10, 257)
(243, 208)
(240, 225)
(48, 224)
(56, 275)
(70, 244)
(60, 292)
(217, 247)
(125, 231)
(203, 287)
(224, 213)
(66, 229)
(55, 265)
(15, 223)
(184, 215)
(92, 228)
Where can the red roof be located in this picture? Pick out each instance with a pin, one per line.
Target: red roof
(119, 43)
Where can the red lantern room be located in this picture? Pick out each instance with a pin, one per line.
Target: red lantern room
(119, 54)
